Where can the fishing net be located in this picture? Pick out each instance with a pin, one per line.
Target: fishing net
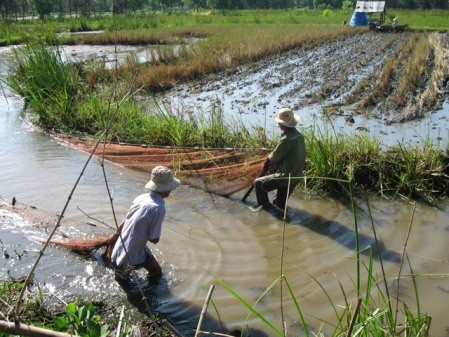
(218, 171)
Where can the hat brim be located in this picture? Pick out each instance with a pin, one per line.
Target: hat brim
(289, 124)
(151, 185)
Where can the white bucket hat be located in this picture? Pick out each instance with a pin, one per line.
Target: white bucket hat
(162, 180)
(286, 117)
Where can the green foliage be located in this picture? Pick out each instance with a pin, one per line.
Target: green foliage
(43, 7)
(79, 318)
(82, 320)
(418, 173)
(347, 6)
(327, 12)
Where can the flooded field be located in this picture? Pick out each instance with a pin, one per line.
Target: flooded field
(317, 84)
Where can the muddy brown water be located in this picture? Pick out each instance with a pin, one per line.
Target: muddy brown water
(207, 237)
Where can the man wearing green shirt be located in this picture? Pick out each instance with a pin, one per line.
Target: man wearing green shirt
(287, 161)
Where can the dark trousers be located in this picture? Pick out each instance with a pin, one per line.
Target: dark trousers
(272, 182)
(151, 265)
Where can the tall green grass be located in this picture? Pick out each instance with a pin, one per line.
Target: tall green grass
(63, 103)
(416, 172)
(47, 84)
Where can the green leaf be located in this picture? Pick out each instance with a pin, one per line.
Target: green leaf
(104, 330)
(71, 307)
(94, 329)
(60, 323)
(71, 310)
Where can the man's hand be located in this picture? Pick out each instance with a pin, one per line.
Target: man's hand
(266, 165)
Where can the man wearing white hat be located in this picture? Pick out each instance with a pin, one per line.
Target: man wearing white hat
(287, 160)
(143, 223)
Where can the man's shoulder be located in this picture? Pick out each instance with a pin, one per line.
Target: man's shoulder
(146, 200)
(292, 133)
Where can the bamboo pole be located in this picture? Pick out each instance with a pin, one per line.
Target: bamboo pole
(57, 225)
(17, 328)
(203, 311)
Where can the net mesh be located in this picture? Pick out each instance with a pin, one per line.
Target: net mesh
(218, 171)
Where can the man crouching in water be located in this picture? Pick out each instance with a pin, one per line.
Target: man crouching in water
(143, 223)
(287, 160)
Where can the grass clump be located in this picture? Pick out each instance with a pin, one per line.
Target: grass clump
(47, 84)
(418, 173)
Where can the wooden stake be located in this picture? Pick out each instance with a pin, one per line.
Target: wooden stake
(203, 311)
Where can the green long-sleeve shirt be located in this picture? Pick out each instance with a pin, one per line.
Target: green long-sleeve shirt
(289, 156)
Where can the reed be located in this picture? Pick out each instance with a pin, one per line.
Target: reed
(340, 157)
(418, 172)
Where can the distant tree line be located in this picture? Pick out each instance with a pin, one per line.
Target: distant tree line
(15, 9)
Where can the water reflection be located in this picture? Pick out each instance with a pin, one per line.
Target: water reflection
(346, 237)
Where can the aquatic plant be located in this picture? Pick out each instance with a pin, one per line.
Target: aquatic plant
(80, 317)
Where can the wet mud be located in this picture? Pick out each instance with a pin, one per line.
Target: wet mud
(328, 82)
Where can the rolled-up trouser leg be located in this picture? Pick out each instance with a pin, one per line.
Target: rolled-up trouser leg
(154, 269)
(122, 272)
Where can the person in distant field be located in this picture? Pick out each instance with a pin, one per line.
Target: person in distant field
(395, 24)
(287, 160)
(143, 223)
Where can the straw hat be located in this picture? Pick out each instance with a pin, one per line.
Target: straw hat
(286, 117)
(162, 180)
